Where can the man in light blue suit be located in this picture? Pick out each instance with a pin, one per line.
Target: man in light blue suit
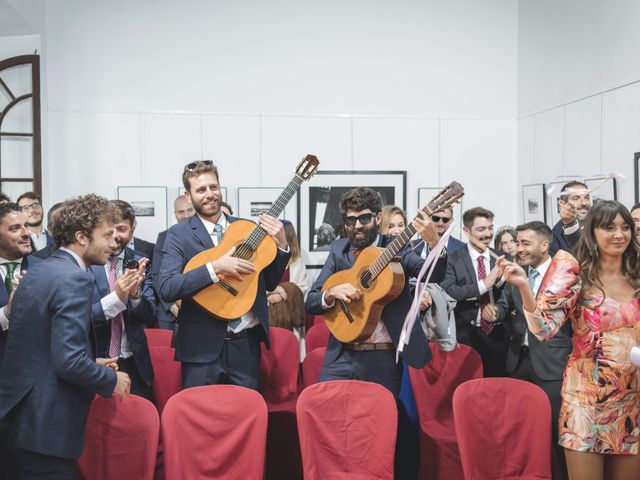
(49, 375)
(213, 351)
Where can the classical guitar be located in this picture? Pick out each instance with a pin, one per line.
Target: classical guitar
(378, 274)
(231, 298)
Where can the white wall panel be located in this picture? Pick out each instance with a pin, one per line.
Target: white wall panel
(583, 137)
(549, 147)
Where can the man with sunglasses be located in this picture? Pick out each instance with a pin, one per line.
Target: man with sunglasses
(374, 359)
(31, 206)
(214, 351)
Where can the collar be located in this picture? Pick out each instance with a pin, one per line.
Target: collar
(4, 260)
(210, 225)
(475, 253)
(75, 256)
(543, 267)
(120, 256)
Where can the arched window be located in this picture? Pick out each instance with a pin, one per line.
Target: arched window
(20, 148)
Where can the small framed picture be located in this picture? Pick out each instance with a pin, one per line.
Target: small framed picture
(254, 201)
(150, 206)
(534, 203)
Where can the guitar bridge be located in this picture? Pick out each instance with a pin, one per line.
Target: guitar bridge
(228, 288)
(345, 309)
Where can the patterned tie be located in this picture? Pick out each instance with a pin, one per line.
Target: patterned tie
(116, 322)
(217, 231)
(487, 327)
(8, 279)
(533, 274)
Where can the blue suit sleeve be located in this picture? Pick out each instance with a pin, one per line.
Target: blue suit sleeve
(455, 287)
(70, 333)
(313, 304)
(145, 310)
(274, 271)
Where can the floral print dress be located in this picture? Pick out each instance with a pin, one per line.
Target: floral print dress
(600, 392)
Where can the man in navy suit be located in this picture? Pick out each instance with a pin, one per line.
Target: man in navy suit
(32, 207)
(123, 305)
(574, 206)
(15, 248)
(214, 351)
(49, 375)
(473, 280)
(168, 312)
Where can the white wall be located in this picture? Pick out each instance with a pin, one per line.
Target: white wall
(137, 89)
(578, 90)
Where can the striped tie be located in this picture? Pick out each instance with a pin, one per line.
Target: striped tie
(116, 322)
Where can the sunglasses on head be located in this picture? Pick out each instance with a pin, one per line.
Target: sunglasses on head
(190, 167)
(438, 218)
(364, 219)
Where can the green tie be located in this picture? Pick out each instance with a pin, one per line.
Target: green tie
(8, 280)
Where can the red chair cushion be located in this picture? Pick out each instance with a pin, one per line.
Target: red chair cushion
(167, 380)
(121, 439)
(317, 337)
(215, 431)
(347, 430)
(279, 382)
(158, 337)
(312, 366)
(517, 446)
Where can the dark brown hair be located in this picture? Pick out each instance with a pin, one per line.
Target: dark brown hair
(288, 313)
(31, 195)
(199, 168)
(470, 215)
(81, 214)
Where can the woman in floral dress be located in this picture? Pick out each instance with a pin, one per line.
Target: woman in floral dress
(599, 293)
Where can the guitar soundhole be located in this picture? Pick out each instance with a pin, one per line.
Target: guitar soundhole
(366, 278)
(244, 251)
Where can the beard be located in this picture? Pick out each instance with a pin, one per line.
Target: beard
(370, 235)
(208, 210)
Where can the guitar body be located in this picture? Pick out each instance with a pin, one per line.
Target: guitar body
(365, 312)
(216, 299)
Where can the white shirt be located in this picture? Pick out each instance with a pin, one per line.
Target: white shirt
(4, 318)
(482, 288)
(39, 239)
(542, 270)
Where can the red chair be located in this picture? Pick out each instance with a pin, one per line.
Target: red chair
(312, 366)
(317, 337)
(158, 337)
(215, 431)
(279, 382)
(347, 430)
(121, 439)
(516, 446)
(167, 375)
(433, 387)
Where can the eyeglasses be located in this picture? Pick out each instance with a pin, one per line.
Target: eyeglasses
(364, 219)
(437, 218)
(190, 167)
(33, 206)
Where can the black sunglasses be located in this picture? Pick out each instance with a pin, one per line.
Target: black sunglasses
(365, 219)
(190, 167)
(437, 218)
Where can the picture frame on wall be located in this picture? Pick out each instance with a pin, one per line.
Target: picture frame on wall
(553, 202)
(150, 206)
(636, 175)
(319, 217)
(426, 194)
(534, 203)
(604, 190)
(253, 201)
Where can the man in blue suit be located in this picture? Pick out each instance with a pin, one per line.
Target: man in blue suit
(15, 259)
(123, 304)
(214, 351)
(49, 375)
(574, 205)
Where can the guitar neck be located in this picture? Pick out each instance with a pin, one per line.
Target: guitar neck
(276, 209)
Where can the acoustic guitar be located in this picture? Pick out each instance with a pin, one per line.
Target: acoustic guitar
(379, 276)
(231, 298)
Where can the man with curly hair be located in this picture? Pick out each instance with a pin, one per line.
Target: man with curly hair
(49, 374)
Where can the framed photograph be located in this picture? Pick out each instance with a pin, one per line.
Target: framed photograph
(254, 201)
(319, 217)
(553, 202)
(425, 194)
(534, 203)
(150, 207)
(606, 188)
(636, 175)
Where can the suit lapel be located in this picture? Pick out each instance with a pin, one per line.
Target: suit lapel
(200, 232)
(468, 263)
(101, 279)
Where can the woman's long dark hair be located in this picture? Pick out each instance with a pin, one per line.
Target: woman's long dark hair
(602, 214)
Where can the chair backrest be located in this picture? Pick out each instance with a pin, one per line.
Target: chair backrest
(215, 431)
(167, 375)
(347, 429)
(121, 439)
(317, 337)
(434, 384)
(158, 337)
(312, 365)
(503, 427)
(279, 379)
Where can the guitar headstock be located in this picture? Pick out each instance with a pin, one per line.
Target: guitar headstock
(307, 167)
(449, 195)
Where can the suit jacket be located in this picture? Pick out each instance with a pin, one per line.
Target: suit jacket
(461, 283)
(548, 358)
(136, 318)
(45, 252)
(417, 352)
(440, 269)
(201, 335)
(49, 374)
(27, 262)
(144, 247)
(163, 313)
(560, 241)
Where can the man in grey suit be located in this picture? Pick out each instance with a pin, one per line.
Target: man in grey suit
(529, 359)
(49, 374)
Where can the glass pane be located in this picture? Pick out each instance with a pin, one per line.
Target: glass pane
(16, 157)
(15, 189)
(18, 79)
(20, 118)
